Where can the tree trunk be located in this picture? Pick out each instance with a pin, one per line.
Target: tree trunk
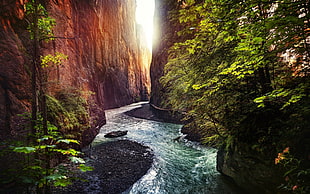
(35, 59)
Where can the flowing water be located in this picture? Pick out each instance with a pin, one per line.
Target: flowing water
(179, 166)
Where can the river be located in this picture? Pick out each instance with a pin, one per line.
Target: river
(180, 166)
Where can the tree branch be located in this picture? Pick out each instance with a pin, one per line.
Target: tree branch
(57, 37)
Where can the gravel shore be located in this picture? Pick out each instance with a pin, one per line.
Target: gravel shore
(117, 166)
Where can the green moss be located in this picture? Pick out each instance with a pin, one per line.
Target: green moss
(68, 110)
(213, 140)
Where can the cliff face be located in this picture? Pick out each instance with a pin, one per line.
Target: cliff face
(107, 58)
(163, 39)
(104, 49)
(14, 80)
(165, 35)
(250, 170)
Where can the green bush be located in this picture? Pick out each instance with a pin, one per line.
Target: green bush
(36, 170)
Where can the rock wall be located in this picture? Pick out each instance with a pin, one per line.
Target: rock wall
(108, 59)
(164, 38)
(14, 79)
(250, 170)
(105, 49)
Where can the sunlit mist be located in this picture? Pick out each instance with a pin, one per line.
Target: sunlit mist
(144, 16)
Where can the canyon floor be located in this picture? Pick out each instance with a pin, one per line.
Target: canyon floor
(117, 164)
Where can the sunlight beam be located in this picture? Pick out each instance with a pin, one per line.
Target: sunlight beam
(144, 17)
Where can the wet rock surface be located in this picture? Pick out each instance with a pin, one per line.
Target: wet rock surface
(144, 112)
(117, 166)
(114, 134)
(149, 112)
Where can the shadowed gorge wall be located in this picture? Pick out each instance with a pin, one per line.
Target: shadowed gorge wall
(108, 60)
(165, 35)
(103, 41)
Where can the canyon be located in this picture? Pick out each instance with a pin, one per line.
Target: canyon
(108, 64)
(108, 59)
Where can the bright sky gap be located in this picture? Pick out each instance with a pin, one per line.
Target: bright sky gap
(144, 16)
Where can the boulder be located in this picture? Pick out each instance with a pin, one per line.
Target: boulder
(249, 169)
(114, 134)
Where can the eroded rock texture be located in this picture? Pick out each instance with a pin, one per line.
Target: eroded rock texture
(250, 170)
(14, 80)
(104, 49)
(107, 57)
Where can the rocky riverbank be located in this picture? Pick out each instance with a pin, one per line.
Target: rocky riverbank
(117, 166)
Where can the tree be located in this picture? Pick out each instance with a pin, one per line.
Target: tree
(241, 71)
(46, 141)
(40, 27)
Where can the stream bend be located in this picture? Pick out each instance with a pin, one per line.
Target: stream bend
(179, 166)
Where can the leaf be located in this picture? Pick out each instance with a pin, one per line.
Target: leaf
(68, 141)
(258, 40)
(290, 171)
(191, 50)
(62, 182)
(67, 152)
(41, 147)
(44, 138)
(35, 167)
(56, 59)
(85, 168)
(77, 160)
(25, 150)
(199, 86)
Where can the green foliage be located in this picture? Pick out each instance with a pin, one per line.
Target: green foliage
(285, 96)
(85, 168)
(38, 172)
(241, 71)
(68, 110)
(56, 59)
(76, 160)
(229, 61)
(296, 175)
(212, 140)
(40, 24)
(35, 169)
(25, 150)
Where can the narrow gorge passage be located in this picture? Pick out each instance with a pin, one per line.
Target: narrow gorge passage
(238, 71)
(179, 166)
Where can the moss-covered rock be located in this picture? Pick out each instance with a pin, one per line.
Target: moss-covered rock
(249, 169)
(68, 110)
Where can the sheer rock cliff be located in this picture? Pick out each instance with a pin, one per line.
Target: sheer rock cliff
(108, 60)
(164, 38)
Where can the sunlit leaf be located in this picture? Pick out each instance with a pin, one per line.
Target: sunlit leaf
(85, 168)
(68, 141)
(77, 160)
(25, 150)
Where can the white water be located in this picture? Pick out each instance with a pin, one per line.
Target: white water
(179, 166)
